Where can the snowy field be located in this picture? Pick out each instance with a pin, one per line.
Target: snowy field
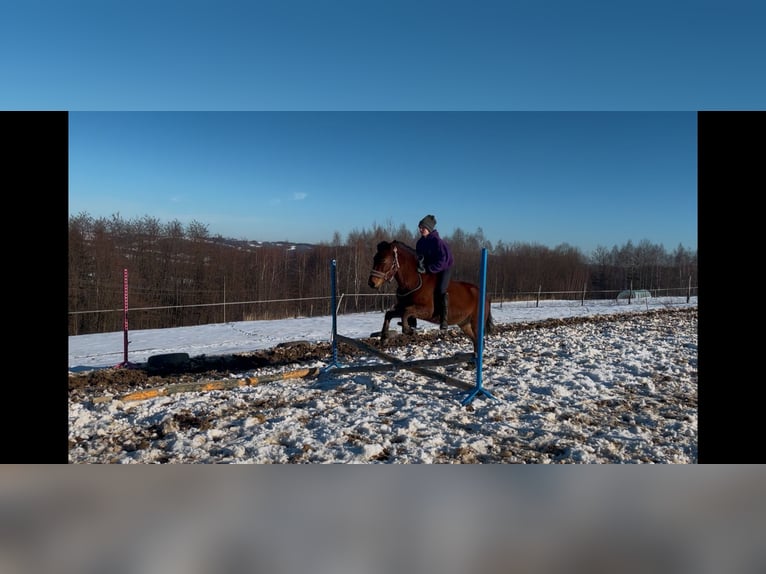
(603, 384)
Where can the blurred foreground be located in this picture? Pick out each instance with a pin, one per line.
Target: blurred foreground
(367, 520)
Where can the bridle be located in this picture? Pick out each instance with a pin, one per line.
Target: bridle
(391, 273)
(388, 275)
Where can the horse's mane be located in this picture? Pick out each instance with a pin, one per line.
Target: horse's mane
(407, 247)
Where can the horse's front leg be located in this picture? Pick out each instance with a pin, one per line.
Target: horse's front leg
(387, 321)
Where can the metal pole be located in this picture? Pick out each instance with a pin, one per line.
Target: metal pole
(334, 362)
(480, 335)
(125, 315)
(125, 363)
(334, 314)
(689, 290)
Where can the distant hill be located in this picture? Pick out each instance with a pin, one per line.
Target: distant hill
(247, 245)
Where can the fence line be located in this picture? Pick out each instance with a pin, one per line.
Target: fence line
(494, 297)
(227, 303)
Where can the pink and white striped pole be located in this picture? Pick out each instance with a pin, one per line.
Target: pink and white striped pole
(125, 363)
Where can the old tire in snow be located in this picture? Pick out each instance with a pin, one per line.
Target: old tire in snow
(169, 362)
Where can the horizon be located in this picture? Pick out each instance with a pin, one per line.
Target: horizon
(408, 240)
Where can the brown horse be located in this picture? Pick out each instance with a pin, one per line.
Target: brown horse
(415, 293)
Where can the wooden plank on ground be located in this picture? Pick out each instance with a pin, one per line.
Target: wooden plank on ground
(210, 385)
(409, 365)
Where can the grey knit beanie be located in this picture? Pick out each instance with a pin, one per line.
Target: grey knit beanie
(429, 222)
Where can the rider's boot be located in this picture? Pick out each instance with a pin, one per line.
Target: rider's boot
(443, 311)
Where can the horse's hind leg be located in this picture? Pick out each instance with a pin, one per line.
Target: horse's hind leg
(471, 334)
(408, 320)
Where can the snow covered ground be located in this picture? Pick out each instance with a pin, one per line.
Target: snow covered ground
(619, 386)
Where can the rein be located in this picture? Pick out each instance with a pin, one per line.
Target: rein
(389, 275)
(411, 291)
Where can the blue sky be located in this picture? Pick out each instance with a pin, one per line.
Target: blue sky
(383, 55)
(578, 180)
(582, 178)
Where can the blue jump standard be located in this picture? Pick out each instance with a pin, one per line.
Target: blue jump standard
(478, 389)
(334, 362)
(480, 335)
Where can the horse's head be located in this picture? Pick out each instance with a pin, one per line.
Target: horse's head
(385, 264)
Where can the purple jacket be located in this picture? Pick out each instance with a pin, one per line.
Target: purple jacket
(435, 251)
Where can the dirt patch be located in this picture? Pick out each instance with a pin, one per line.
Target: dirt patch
(122, 380)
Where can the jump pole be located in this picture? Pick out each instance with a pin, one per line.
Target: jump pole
(478, 389)
(334, 363)
(125, 363)
(480, 335)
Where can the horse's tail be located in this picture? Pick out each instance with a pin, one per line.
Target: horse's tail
(489, 324)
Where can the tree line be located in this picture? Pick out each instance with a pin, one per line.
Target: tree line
(180, 275)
